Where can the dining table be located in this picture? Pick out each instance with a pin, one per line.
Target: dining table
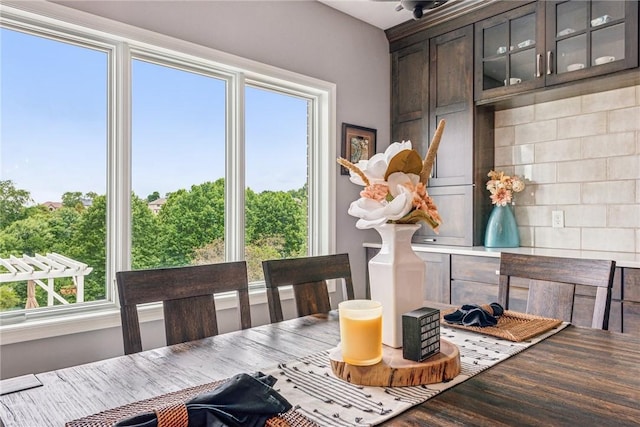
(575, 377)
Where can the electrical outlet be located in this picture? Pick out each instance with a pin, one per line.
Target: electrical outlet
(557, 219)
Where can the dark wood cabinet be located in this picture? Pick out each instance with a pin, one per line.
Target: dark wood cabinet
(474, 279)
(466, 149)
(589, 38)
(451, 99)
(631, 300)
(506, 52)
(437, 278)
(410, 94)
(543, 44)
(455, 205)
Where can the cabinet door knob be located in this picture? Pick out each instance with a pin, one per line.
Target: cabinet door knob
(549, 59)
(539, 65)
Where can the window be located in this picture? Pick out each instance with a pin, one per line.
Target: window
(127, 154)
(53, 161)
(276, 177)
(178, 161)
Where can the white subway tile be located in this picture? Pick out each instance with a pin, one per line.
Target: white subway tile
(608, 239)
(560, 108)
(586, 162)
(523, 154)
(505, 136)
(503, 156)
(539, 216)
(526, 236)
(624, 216)
(585, 215)
(582, 170)
(624, 167)
(536, 131)
(612, 144)
(609, 100)
(558, 150)
(624, 119)
(514, 116)
(542, 173)
(524, 171)
(557, 238)
(526, 197)
(558, 194)
(609, 192)
(582, 125)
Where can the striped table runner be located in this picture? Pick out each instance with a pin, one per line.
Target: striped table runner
(310, 385)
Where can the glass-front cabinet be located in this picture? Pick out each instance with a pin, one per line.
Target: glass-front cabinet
(506, 52)
(585, 38)
(550, 42)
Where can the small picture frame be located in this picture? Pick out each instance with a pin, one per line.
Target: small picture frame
(358, 143)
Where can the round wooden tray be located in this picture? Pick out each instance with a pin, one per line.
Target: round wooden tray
(394, 371)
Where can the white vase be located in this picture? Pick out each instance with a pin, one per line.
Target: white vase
(396, 277)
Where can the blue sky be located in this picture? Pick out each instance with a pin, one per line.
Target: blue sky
(53, 124)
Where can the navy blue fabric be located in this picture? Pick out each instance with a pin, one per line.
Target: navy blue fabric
(475, 315)
(244, 400)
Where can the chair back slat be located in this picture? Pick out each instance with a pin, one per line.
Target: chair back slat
(312, 298)
(187, 294)
(307, 276)
(189, 319)
(551, 299)
(552, 284)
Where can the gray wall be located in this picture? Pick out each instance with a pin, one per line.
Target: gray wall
(306, 37)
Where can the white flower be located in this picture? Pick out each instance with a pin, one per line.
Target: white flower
(375, 168)
(395, 186)
(373, 213)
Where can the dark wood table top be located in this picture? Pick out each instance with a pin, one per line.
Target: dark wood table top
(579, 377)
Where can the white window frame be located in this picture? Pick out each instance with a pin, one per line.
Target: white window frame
(126, 43)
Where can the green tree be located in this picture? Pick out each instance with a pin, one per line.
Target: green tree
(190, 220)
(12, 203)
(153, 196)
(87, 244)
(277, 214)
(8, 298)
(261, 250)
(71, 199)
(27, 236)
(146, 234)
(255, 253)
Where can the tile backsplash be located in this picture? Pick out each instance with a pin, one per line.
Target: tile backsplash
(578, 155)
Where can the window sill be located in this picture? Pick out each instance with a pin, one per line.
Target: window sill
(104, 318)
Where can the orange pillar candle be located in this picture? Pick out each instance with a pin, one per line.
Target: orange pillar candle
(361, 332)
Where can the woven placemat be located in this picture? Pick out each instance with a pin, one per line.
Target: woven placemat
(512, 325)
(109, 417)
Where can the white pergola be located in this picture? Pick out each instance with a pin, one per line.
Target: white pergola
(42, 271)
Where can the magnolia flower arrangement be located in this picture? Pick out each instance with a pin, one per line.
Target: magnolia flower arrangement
(503, 186)
(395, 186)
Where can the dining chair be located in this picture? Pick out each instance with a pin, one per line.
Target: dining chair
(187, 296)
(552, 284)
(307, 276)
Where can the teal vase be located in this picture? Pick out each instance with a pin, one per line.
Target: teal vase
(502, 230)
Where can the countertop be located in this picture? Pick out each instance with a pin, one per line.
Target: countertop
(622, 259)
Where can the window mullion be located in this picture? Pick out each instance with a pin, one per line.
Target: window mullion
(119, 166)
(234, 170)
